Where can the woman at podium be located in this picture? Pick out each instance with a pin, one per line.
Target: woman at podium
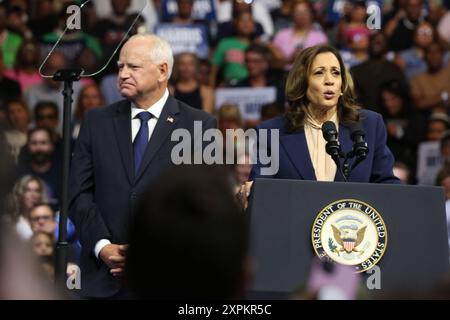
(320, 91)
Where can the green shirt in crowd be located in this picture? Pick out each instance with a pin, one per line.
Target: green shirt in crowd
(10, 47)
(229, 57)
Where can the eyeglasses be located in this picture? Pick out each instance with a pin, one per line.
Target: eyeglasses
(425, 32)
(43, 218)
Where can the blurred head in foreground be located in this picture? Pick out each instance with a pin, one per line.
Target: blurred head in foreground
(189, 238)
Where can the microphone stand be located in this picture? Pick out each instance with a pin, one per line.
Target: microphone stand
(344, 170)
(68, 76)
(335, 152)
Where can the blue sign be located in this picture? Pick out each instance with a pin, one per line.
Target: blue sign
(185, 38)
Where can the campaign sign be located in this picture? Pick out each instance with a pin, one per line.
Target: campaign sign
(185, 38)
(249, 100)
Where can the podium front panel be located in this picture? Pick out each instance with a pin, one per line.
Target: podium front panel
(282, 213)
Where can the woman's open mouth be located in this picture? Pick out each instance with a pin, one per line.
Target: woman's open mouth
(329, 95)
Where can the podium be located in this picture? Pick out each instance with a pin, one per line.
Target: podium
(282, 214)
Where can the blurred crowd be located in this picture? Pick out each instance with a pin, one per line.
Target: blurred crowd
(400, 69)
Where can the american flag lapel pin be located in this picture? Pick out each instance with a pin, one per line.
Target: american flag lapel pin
(170, 119)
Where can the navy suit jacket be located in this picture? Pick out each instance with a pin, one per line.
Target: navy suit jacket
(295, 161)
(103, 187)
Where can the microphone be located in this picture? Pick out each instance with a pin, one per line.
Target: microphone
(360, 148)
(333, 148)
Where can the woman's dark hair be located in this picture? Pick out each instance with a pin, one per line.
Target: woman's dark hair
(261, 50)
(80, 109)
(444, 141)
(442, 175)
(7, 174)
(240, 6)
(22, 104)
(399, 90)
(42, 105)
(239, 16)
(297, 86)
(310, 6)
(175, 74)
(20, 60)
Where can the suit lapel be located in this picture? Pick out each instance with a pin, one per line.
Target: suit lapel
(346, 146)
(122, 126)
(162, 130)
(297, 149)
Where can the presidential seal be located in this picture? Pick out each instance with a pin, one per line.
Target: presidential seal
(350, 232)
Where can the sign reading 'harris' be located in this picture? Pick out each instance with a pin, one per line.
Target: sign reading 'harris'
(185, 38)
(350, 232)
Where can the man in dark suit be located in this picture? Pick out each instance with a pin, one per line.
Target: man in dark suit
(121, 149)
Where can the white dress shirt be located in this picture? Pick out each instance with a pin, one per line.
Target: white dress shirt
(155, 110)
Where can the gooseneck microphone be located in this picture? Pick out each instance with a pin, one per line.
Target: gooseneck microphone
(360, 148)
(333, 148)
(359, 151)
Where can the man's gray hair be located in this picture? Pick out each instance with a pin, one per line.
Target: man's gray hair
(160, 52)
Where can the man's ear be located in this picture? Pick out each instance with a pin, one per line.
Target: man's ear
(163, 72)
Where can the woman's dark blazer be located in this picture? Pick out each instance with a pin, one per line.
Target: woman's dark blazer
(295, 161)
